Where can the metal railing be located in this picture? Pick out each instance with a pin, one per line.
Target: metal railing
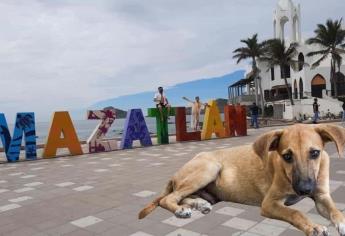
(245, 99)
(277, 98)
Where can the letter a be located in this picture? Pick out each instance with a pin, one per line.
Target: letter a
(212, 122)
(135, 129)
(62, 123)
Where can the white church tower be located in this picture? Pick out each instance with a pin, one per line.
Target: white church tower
(287, 18)
(304, 82)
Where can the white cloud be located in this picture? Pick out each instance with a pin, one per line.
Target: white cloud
(65, 55)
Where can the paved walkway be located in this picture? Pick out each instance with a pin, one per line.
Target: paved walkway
(101, 194)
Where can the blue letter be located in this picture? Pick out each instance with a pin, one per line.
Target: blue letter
(25, 122)
(135, 128)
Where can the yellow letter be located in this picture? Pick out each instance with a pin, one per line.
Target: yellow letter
(212, 122)
(61, 123)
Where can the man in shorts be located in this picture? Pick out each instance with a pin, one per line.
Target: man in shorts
(197, 105)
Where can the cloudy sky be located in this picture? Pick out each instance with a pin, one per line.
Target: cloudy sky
(69, 54)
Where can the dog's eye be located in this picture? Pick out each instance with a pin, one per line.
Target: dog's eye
(287, 157)
(314, 154)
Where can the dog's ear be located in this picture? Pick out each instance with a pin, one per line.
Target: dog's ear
(267, 142)
(332, 133)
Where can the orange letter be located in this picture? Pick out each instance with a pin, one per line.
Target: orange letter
(212, 122)
(61, 123)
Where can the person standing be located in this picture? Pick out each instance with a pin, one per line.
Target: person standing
(197, 105)
(161, 101)
(254, 110)
(316, 111)
(343, 116)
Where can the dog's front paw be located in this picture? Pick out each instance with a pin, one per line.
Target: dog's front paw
(204, 208)
(319, 230)
(340, 228)
(183, 213)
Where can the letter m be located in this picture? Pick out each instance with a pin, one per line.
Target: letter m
(25, 123)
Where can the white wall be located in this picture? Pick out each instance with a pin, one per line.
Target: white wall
(305, 106)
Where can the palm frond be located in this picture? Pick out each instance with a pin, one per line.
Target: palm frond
(339, 51)
(315, 41)
(252, 50)
(337, 59)
(318, 62)
(329, 35)
(320, 52)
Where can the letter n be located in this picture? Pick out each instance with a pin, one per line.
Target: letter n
(235, 120)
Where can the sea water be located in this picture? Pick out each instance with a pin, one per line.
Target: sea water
(84, 128)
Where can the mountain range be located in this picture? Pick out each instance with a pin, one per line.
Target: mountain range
(206, 89)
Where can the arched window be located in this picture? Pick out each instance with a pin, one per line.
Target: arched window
(318, 83)
(300, 88)
(295, 90)
(285, 70)
(294, 28)
(283, 21)
(300, 61)
(275, 29)
(272, 73)
(340, 78)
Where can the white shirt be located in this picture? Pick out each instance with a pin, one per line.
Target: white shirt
(160, 98)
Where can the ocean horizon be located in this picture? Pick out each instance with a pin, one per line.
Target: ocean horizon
(84, 128)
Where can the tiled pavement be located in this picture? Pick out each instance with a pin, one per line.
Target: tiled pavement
(101, 194)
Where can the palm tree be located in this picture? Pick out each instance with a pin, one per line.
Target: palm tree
(253, 50)
(330, 38)
(277, 54)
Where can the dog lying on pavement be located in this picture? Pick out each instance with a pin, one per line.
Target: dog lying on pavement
(281, 168)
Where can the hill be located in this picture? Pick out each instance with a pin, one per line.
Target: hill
(206, 89)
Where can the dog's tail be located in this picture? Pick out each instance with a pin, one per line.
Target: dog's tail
(150, 207)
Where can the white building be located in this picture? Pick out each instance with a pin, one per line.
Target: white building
(305, 82)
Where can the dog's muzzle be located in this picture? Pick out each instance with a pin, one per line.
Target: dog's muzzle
(304, 187)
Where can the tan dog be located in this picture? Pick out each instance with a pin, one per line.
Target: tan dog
(279, 169)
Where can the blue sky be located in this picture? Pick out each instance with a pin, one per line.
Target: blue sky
(206, 89)
(69, 54)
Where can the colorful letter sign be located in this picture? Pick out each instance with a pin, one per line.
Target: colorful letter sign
(25, 123)
(230, 120)
(181, 129)
(162, 125)
(95, 141)
(235, 120)
(241, 120)
(212, 122)
(135, 129)
(62, 124)
(63, 135)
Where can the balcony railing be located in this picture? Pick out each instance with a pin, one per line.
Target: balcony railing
(245, 99)
(277, 98)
